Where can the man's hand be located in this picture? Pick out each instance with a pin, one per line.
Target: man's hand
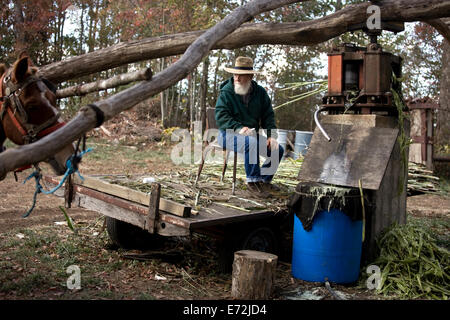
(243, 131)
(246, 131)
(272, 144)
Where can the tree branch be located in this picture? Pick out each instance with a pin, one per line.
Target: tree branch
(299, 33)
(85, 120)
(442, 26)
(119, 80)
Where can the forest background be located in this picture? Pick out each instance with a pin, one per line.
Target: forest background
(54, 30)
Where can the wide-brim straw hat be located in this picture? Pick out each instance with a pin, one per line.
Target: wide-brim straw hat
(242, 65)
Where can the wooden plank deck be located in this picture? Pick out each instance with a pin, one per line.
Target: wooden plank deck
(95, 183)
(132, 206)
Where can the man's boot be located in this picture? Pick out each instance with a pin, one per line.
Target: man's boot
(255, 189)
(270, 187)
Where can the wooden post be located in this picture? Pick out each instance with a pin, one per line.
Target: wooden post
(153, 207)
(429, 139)
(68, 192)
(253, 274)
(234, 172)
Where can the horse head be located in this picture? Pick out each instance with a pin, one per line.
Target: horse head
(28, 109)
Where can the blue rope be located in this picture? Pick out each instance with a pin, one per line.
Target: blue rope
(38, 176)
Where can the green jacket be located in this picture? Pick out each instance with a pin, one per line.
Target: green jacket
(232, 113)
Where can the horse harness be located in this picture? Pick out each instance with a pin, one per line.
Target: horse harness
(11, 104)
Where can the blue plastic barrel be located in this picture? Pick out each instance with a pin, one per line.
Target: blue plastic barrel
(330, 250)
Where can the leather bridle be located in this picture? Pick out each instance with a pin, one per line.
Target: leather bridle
(10, 103)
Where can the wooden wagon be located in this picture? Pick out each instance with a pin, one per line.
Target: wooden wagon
(134, 216)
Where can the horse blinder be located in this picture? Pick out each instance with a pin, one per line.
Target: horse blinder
(12, 98)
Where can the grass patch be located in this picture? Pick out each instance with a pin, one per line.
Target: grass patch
(39, 261)
(145, 296)
(34, 240)
(104, 150)
(35, 267)
(437, 227)
(27, 283)
(444, 185)
(413, 265)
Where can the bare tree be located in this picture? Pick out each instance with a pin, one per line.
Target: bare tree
(443, 120)
(297, 33)
(204, 91)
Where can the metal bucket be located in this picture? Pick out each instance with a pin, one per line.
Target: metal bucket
(302, 141)
(282, 137)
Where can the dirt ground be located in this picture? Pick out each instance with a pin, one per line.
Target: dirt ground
(17, 199)
(429, 205)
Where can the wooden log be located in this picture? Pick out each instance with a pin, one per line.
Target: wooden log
(253, 275)
(119, 80)
(441, 158)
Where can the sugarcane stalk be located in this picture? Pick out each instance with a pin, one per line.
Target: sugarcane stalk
(363, 211)
(231, 206)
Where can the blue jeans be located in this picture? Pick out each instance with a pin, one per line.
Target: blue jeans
(250, 147)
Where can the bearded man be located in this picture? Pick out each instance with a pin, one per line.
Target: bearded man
(242, 109)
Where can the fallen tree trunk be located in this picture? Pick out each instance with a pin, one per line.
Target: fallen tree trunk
(119, 80)
(86, 119)
(299, 33)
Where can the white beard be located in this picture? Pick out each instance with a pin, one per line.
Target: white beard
(242, 89)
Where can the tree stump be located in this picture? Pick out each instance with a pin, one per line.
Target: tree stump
(253, 274)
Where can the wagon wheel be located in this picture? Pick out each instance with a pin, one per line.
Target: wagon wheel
(259, 238)
(128, 236)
